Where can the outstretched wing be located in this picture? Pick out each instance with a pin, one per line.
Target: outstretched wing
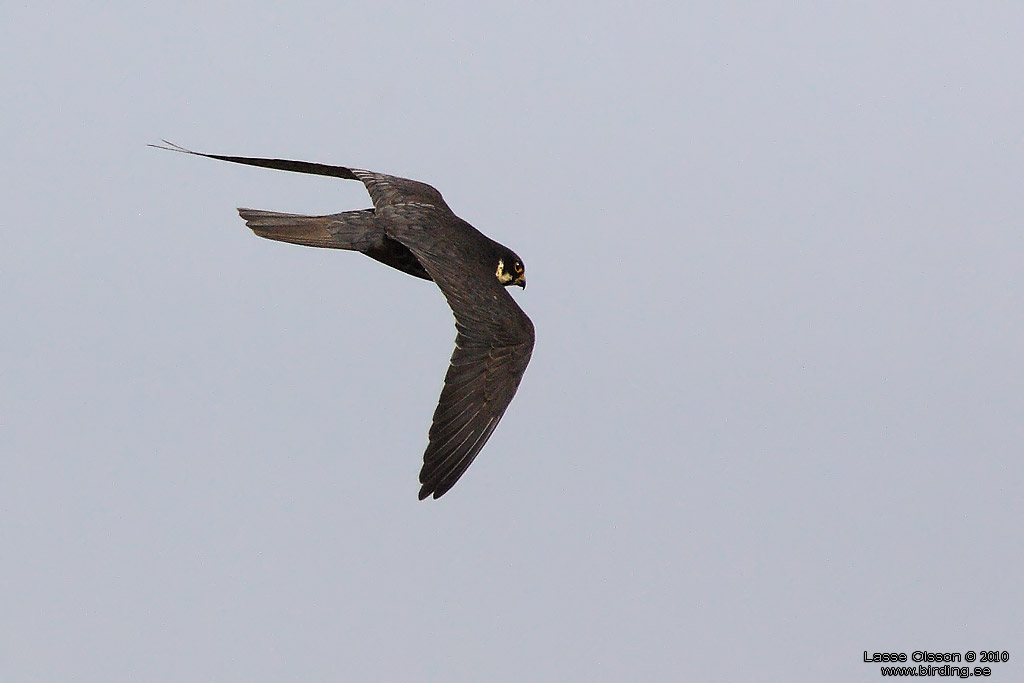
(493, 345)
(483, 377)
(278, 164)
(385, 190)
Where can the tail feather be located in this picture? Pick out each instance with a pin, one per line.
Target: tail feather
(350, 230)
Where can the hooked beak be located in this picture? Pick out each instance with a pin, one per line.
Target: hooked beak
(521, 282)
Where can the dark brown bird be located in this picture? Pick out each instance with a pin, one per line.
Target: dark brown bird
(412, 229)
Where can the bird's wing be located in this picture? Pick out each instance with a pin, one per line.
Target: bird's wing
(481, 381)
(278, 164)
(385, 190)
(493, 345)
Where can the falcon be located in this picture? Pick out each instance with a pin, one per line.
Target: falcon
(411, 228)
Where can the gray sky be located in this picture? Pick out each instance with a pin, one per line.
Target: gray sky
(773, 418)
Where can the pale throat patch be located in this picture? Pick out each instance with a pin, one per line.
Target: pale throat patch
(503, 277)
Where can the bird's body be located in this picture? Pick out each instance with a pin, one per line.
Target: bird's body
(410, 228)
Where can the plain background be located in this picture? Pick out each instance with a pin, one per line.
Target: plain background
(773, 419)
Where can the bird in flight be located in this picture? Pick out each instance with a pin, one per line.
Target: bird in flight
(412, 229)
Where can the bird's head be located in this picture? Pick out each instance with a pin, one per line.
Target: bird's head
(511, 270)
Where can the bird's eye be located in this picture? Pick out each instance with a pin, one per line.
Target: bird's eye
(519, 267)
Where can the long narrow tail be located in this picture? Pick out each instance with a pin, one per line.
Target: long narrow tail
(354, 230)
